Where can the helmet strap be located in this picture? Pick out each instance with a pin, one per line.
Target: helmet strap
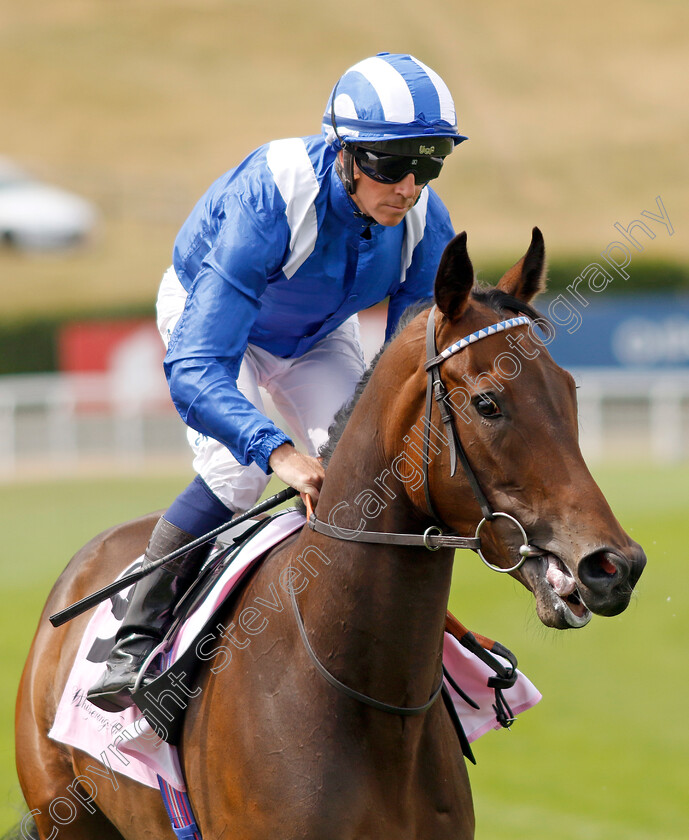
(350, 184)
(345, 170)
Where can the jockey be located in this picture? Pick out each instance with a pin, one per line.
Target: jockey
(269, 272)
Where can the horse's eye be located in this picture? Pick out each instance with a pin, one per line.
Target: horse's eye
(487, 406)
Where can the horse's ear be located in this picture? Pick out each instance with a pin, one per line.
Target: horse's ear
(454, 279)
(527, 278)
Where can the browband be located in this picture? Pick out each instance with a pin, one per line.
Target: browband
(484, 332)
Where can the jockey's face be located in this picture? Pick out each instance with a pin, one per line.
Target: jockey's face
(388, 204)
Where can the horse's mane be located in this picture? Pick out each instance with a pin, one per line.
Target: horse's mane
(495, 298)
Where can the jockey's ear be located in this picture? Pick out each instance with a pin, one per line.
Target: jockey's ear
(454, 279)
(527, 278)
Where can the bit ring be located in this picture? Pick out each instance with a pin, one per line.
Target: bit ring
(525, 550)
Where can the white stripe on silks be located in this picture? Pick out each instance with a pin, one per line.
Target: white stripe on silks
(388, 83)
(447, 105)
(415, 225)
(344, 107)
(296, 180)
(484, 333)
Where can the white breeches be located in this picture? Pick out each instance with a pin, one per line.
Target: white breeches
(307, 392)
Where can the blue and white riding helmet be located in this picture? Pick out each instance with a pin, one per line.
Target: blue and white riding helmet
(394, 104)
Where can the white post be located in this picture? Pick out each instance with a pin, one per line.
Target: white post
(8, 433)
(665, 397)
(590, 398)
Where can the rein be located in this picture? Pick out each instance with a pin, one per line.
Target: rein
(408, 711)
(427, 540)
(435, 389)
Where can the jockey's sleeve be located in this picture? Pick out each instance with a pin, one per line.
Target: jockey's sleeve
(420, 276)
(207, 346)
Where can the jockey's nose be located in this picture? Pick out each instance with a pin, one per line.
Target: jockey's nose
(407, 186)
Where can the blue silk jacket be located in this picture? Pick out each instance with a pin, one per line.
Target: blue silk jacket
(273, 255)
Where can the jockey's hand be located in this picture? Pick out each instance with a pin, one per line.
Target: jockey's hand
(303, 472)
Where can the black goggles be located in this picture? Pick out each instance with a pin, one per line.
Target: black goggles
(390, 169)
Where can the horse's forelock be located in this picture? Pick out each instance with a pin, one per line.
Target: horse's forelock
(502, 303)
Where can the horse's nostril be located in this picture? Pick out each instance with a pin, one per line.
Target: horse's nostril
(599, 567)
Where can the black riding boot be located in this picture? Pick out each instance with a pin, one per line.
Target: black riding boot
(149, 616)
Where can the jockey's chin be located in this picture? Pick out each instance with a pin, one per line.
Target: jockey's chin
(387, 204)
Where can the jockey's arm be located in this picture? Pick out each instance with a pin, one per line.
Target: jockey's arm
(207, 346)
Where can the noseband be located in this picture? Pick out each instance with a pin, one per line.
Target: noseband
(435, 537)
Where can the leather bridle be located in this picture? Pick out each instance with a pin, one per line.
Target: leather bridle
(433, 537)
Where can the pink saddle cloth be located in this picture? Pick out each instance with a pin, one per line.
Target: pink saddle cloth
(125, 742)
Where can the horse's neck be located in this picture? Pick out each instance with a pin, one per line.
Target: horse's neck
(379, 609)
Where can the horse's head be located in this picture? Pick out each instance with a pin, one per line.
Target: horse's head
(514, 411)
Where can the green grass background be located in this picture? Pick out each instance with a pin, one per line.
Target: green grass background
(603, 757)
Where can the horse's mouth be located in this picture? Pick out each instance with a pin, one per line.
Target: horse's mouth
(558, 600)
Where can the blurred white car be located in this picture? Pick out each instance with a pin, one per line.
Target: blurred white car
(36, 216)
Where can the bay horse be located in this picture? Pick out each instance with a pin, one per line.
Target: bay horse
(436, 443)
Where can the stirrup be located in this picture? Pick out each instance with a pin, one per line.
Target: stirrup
(121, 677)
